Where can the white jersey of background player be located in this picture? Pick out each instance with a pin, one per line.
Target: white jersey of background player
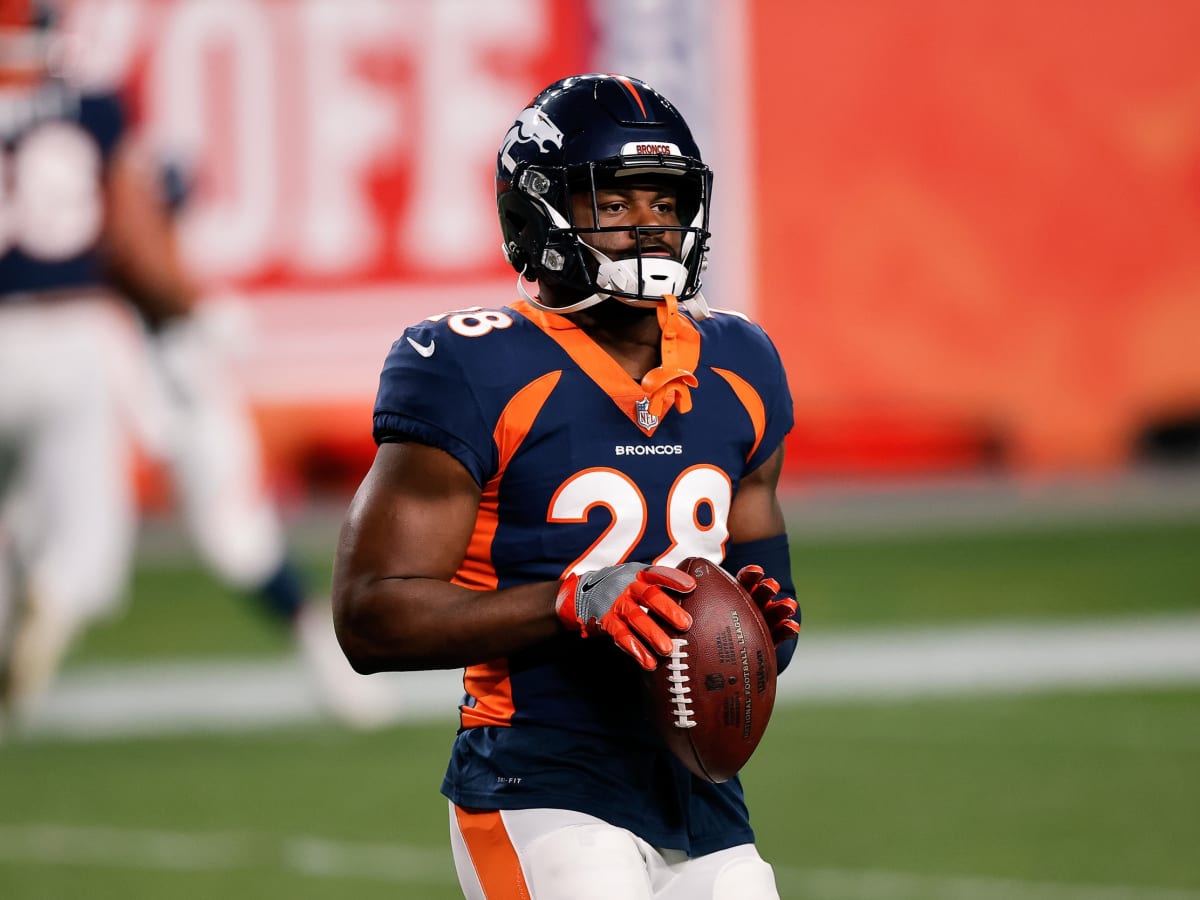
(84, 227)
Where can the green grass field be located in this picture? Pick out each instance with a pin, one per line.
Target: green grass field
(1081, 795)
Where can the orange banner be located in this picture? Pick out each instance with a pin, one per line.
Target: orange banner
(979, 226)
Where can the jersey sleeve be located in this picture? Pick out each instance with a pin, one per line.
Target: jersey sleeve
(777, 400)
(425, 396)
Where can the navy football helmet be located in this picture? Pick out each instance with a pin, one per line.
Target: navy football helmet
(590, 131)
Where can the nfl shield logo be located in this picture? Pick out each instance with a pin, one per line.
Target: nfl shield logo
(645, 419)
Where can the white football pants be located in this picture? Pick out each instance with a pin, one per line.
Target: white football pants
(554, 854)
(67, 504)
(197, 422)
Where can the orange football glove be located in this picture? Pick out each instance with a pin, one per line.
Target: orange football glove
(779, 610)
(617, 601)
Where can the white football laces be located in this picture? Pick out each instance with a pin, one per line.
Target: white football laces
(678, 679)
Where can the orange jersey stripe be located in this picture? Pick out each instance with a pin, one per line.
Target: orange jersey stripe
(511, 430)
(488, 682)
(476, 570)
(751, 401)
(518, 416)
(493, 855)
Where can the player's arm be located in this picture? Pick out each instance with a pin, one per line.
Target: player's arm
(404, 538)
(140, 244)
(755, 513)
(405, 535)
(758, 552)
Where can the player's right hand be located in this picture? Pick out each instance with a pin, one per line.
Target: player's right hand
(617, 600)
(780, 611)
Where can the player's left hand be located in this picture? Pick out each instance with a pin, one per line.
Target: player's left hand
(617, 601)
(778, 609)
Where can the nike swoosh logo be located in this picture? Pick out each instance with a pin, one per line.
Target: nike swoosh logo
(587, 586)
(426, 350)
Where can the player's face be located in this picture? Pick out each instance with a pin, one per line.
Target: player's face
(646, 208)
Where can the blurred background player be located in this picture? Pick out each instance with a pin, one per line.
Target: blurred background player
(85, 231)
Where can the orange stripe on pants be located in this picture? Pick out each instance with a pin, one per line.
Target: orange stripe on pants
(493, 855)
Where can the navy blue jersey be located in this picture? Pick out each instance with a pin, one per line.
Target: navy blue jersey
(579, 469)
(56, 147)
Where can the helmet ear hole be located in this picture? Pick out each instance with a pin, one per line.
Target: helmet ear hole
(525, 229)
(513, 251)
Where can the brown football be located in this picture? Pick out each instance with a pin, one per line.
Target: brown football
(712, 698)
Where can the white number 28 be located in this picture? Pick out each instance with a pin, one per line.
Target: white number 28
(698, 489)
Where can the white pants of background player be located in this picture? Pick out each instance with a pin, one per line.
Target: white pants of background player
(195, 419)
(196, 422)
(555, 854)
(67, 506)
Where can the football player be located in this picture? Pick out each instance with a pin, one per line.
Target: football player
(541, 469)
(84, 234)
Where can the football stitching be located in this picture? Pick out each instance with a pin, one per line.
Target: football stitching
(678, 684)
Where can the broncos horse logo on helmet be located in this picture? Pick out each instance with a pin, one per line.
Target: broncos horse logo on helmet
(531, 126)
(591, 131)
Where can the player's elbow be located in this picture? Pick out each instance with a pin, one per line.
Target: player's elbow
(356, 649)
(371, 628)
(355, 626)
(358, 654)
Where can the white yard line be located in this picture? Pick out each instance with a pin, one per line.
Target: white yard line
(120, 847)
(220, 852)
(997, 658)
(53, 845)
(849, 884)
(116, 701)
